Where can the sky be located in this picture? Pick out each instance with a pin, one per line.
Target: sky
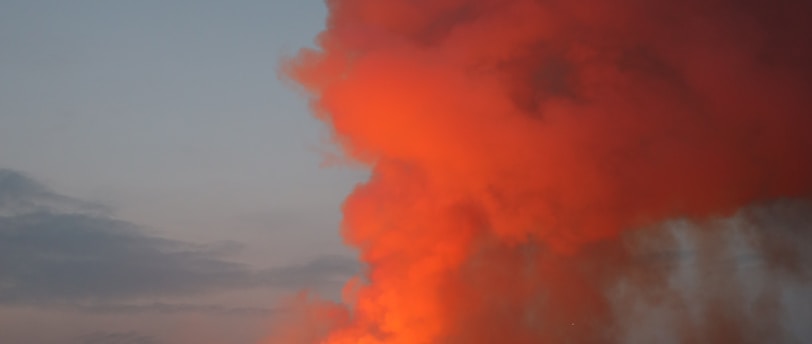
(157, 174)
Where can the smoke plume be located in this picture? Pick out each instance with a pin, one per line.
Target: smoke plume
(556, 171)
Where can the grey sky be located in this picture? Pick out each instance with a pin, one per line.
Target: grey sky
(172, 113)
(153, 147)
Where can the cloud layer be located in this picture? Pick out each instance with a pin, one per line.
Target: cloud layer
(58, 250)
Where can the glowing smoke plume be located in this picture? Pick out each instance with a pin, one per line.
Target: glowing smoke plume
(517, 145)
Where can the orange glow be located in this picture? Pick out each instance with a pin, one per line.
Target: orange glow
(513, 141)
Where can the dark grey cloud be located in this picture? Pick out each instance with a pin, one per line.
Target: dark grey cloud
(50, 257)
(163, 308)
(169, 308)
(116, 338)
(20, 194)
(68, 253)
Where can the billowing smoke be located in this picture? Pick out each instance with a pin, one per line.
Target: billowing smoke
(558, 171)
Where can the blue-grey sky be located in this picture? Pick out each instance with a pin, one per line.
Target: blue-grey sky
(172, 113)
(157, 138)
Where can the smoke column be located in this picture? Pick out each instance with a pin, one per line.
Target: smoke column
(517, 145)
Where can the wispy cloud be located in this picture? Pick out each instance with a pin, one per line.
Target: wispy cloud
(58, 250)
(166, 308)
(20, 194)
(116, 338)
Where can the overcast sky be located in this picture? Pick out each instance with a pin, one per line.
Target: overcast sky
(156, 174)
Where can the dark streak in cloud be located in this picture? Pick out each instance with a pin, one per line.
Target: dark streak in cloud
(164, 308)
(20, 194)
(58, 256)
(117, 338)
(52, 256)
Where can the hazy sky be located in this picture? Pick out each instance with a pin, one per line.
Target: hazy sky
(153, 147)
